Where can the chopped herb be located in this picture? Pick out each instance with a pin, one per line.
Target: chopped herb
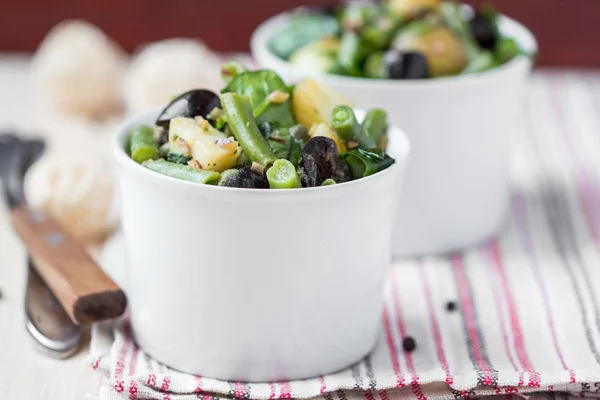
(178, 158)
(277, 138)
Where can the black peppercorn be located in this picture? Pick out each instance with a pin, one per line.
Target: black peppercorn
(450, 306)
(409, 344)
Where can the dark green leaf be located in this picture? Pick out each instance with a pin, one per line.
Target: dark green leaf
(282, 142)
(482, 62)
(258, 85)
(279, 141)
(178, 158)
(507, 49)
(302, 29)
(295, 150)
(366, 162)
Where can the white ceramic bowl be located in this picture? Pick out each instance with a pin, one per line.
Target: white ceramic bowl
(455, 192)
(256, 285)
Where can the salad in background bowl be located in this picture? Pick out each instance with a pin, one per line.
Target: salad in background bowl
(398, 39)
(459, 119)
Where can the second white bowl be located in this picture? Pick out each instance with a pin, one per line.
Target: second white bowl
(455, 192)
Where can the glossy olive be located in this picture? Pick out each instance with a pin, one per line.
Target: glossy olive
(320, 161)
(483, 31)
(198, 102)
(405, 65)
(248, 179)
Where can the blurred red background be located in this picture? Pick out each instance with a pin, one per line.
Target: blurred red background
(567, 30)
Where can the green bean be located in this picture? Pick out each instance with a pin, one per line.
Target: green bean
(283, 175)
(350, 53)
(328, 182)
(143, 145)
(375, 123)
(182, 172)
(366, 162)
(347, 127)
(240, 120)
(232, 68)
(482, 62)
(374, 66)
(375, 36)
(379, 33)
(506, 49)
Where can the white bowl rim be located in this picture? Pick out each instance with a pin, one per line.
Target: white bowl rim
(263, 33)
(127, 162)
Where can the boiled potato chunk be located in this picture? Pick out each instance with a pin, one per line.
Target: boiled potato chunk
(209, 148)
(313, 102)
(445, 54)
(409, 9)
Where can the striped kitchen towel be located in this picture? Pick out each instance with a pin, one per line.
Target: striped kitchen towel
(517, 315)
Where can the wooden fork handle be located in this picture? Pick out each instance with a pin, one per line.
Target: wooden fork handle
(86, 293)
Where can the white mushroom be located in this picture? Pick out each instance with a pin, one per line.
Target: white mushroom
(78, 70)
(75, 184)
(168, 68)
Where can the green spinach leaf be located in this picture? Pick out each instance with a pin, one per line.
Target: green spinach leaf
(366, 162)
(258, 85)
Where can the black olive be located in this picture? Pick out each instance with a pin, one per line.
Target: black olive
(483, 31)
(405, 65)
(409, 344)
(164, 136)
(198, 102)
(308, 171)
(320, 160)
(248, 179)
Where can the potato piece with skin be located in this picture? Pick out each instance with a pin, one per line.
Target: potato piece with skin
(209, 148)
(313, 102)
(324, 129)
(445, 54)
(410, 9)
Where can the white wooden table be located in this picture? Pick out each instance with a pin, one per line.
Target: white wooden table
(25, 372)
